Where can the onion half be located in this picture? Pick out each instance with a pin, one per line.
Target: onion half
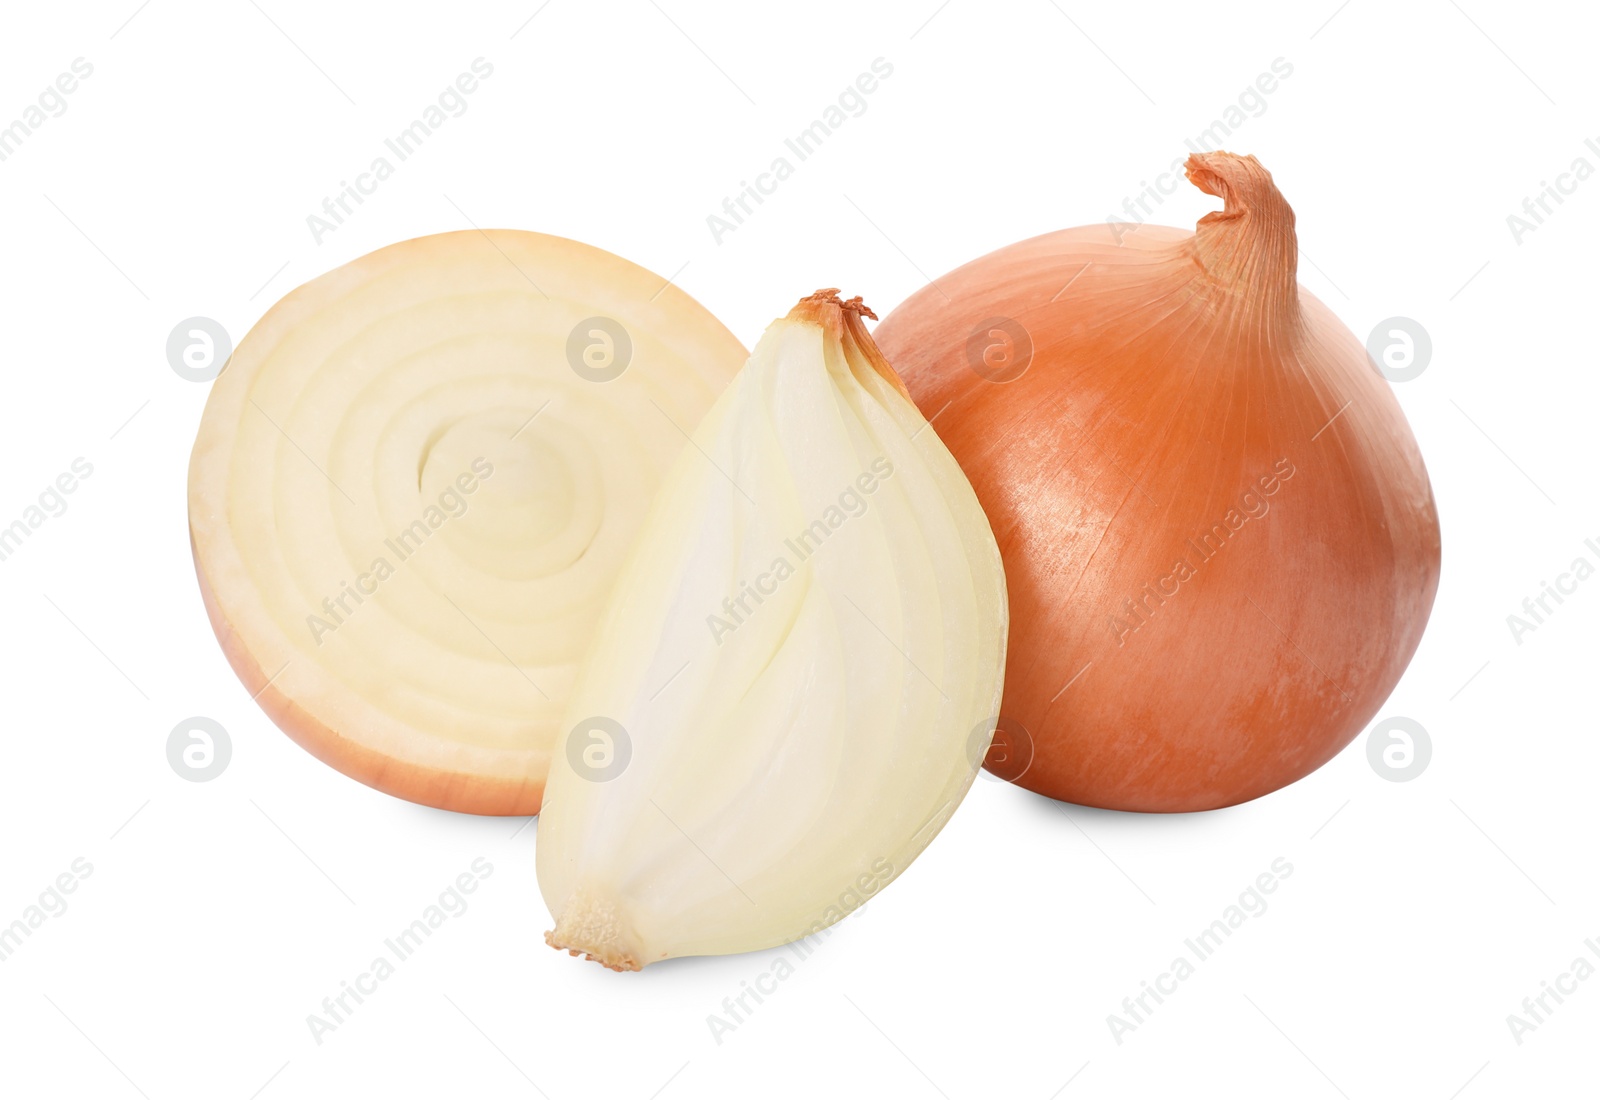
(1219, 536)
(414, 485)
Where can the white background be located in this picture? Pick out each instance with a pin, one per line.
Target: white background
(219, 915)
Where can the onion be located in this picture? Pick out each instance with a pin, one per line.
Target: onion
(795, 682)
(413, 488)
(1219, 537)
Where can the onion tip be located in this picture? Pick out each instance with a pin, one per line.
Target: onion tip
(843, 317)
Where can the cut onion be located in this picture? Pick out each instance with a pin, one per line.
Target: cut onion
(414, 485)
(797, 677)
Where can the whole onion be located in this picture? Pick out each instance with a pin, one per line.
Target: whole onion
(1218, 534)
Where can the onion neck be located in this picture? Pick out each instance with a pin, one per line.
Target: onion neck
(842, 320)
(1247, 249)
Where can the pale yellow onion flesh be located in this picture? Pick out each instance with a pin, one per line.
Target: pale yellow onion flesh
(777, 775)
(351, 409)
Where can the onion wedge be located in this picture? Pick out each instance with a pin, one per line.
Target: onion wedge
(797, 677)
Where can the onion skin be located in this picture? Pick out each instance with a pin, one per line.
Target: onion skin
(1170, 374)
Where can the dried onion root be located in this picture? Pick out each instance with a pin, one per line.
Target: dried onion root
(413, 488)
(797, 678)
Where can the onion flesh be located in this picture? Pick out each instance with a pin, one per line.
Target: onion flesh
(780, 708)
(408, 505)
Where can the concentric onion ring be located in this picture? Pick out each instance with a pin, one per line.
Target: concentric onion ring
(414, 485)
